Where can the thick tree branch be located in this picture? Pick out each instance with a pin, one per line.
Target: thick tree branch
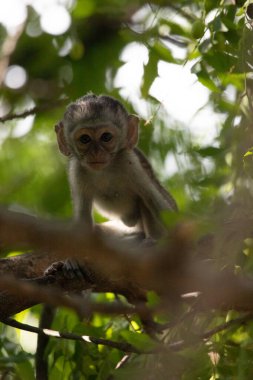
(169, 271)
(17, 295)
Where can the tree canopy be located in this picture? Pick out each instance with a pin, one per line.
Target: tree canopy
(152, 56)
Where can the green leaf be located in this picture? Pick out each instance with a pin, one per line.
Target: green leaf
(164, 52)
(228, 17)
(84, 9)
(207, 81)
(215, 25)
(249, 153)
(237, 80)
(220, 61)
(233, 37)
(209, 151)
(211, 4)
(153, 299)
(171, 219)
(141, 341)
(175, 28)
(198, 29)
(150, 73)
(25, 370)
(62, 369)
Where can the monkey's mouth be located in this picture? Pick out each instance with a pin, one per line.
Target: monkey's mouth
(97, 165)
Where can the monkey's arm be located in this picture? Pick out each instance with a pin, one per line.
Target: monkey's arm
(152, 193)
(82, 203)
(152, 203)
(154, 198)
(81, 195)
(171, 203)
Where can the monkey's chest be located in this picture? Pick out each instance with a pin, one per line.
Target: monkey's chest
(118, 202)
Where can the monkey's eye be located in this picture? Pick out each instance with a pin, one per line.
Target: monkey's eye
(84, 139)
(106, 137)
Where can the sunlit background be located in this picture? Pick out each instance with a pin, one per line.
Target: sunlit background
(184, 99)
(175, 86)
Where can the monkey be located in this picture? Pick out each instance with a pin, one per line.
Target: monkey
(107, 170)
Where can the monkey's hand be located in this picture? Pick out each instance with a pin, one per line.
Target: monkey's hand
(72, 269)
(148, 242)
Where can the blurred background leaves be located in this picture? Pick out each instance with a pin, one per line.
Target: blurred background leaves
(199, 142)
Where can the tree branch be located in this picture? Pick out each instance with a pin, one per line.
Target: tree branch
(17, 295)
(33, 111)
(41, 363)
(124, 269)
(125, 347)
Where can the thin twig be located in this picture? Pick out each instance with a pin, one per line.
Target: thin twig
(126, 347)
(224, 326)
(178, 8)
(173, 40)
(181, 344)
(33, 111)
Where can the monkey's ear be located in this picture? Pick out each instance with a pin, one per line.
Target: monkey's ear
(132, 131)
(61, 139)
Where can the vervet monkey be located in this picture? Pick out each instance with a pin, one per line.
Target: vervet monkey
(105, 167)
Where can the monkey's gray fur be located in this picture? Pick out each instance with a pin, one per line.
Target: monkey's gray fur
(107, 169)
(91, 108)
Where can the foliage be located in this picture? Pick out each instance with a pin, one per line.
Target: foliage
(215, 38)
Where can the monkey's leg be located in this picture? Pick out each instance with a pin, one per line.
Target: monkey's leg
(149, 227)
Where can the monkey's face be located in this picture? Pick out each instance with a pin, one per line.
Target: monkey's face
(96, 146)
